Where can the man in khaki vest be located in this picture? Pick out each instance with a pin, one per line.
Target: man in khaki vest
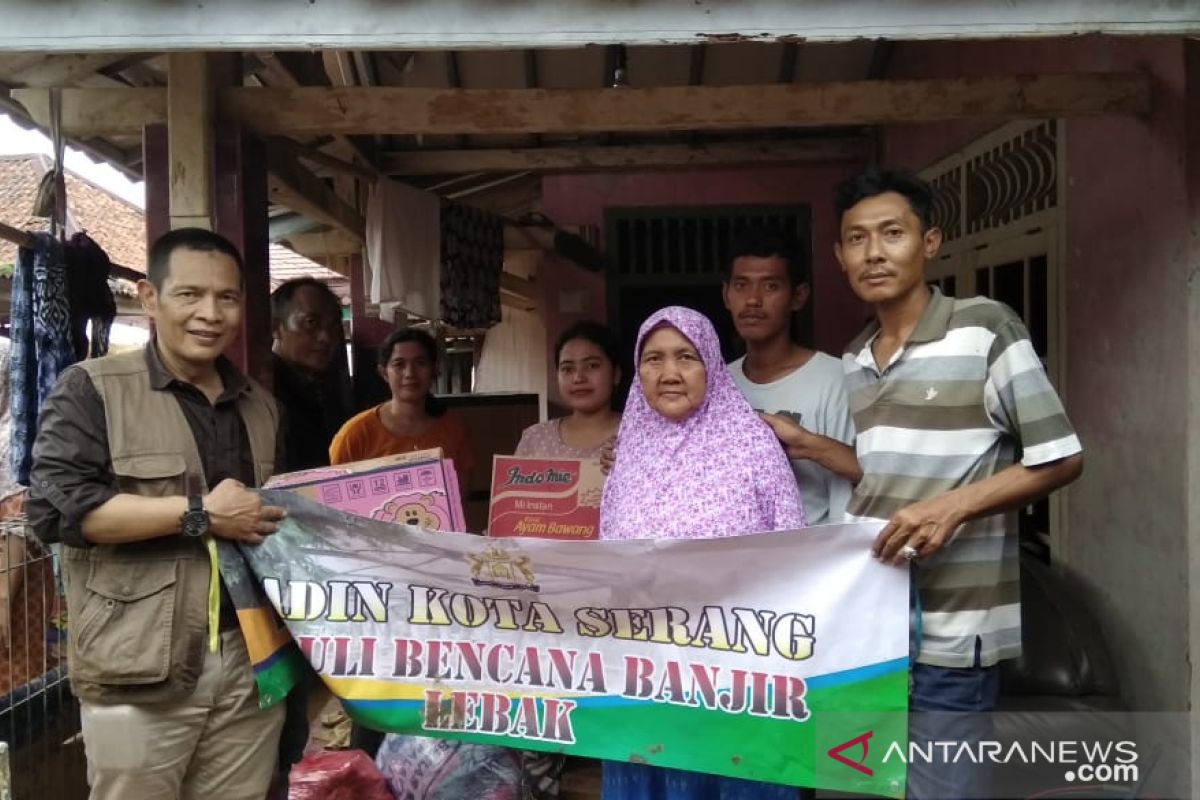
(141, 465)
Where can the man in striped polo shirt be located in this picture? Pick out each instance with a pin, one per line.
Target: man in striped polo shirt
(958, 426)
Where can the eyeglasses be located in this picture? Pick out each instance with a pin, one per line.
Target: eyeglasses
(314, 323)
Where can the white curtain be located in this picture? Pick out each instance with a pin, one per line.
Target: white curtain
(514, 355)
(404, 247)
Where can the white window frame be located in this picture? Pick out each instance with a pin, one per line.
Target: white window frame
(1038, 233)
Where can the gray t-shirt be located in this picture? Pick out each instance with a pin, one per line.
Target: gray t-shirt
(815, 397)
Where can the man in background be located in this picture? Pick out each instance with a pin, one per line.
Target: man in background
(306, 321)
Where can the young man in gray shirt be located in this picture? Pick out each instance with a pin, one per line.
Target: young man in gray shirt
(800, 390)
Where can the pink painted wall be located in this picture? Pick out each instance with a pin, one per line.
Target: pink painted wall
(582, 199)
(1126, 387)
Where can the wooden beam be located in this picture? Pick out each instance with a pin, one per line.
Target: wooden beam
(190, 140)
(364, 65)
(65, 70)
(484, 188)
(323, 159)
(25, 239)
(621, 157)
(524, 262)
(91, 112)
(339, 69)
(281, 70)
(518, 292)
(323, 245)
(314, 111)
(454, 81)
(18, 237)
(475, 111)
(292, 185)
(528, 237)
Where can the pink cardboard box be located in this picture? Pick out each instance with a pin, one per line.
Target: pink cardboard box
(418, 488)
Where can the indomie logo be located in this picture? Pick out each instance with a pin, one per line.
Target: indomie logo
(516, 477)
(836, 753)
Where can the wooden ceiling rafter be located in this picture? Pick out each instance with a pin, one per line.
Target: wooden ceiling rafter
(293, 185)
(586, 158)
(454, 81)
(315, 111)
(68, 69)
(338, 66)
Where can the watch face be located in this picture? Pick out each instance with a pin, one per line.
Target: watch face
(194, 523)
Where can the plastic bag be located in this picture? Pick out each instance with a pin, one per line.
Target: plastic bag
(420, 768)
(337, 775)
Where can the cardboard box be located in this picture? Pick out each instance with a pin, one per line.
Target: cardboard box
(546, 498)
(419, 488)
(316, 474)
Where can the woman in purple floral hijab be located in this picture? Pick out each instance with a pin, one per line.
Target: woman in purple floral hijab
(716, 471)
(693, 461)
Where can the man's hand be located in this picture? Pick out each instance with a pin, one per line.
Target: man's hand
(801, 444)
(797, 441)
(924, 526)
(238, 514)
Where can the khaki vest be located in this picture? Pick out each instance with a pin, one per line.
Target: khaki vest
(137, 613)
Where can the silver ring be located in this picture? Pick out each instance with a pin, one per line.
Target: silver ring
(909, 552)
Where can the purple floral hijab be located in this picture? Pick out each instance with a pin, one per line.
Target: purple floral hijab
(720, 472)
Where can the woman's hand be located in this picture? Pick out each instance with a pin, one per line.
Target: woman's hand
(608, 455)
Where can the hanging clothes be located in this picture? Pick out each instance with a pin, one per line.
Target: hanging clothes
(403, 233)
(472, 259)
(41, 341)
(514, 357)
(7, 484)
(91, 300)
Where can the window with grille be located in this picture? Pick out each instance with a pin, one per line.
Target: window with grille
(996, 202)
(675, 255)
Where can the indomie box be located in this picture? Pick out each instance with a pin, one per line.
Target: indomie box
(547, 498)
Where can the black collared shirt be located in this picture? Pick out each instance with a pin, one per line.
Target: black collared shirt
(313, 411)
(72, 469)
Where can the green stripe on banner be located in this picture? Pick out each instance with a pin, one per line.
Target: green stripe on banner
(777, 751)
(280, 675)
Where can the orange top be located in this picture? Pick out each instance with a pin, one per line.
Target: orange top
(364, 436)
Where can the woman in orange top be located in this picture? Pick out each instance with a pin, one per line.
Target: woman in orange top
(413, 419)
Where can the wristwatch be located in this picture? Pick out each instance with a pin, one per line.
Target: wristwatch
(194, 522)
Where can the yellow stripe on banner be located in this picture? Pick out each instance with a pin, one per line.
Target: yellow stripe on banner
(262, 632)
(372, 689)
(214, 594)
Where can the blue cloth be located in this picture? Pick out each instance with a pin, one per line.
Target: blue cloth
(626, 781)
(41, 341)
(950, 704)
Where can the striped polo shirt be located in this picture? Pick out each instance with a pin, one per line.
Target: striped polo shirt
(958, 403)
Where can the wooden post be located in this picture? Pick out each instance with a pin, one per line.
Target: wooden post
(190, 139)
(240, 180)
(204, 174)
(155, 162)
